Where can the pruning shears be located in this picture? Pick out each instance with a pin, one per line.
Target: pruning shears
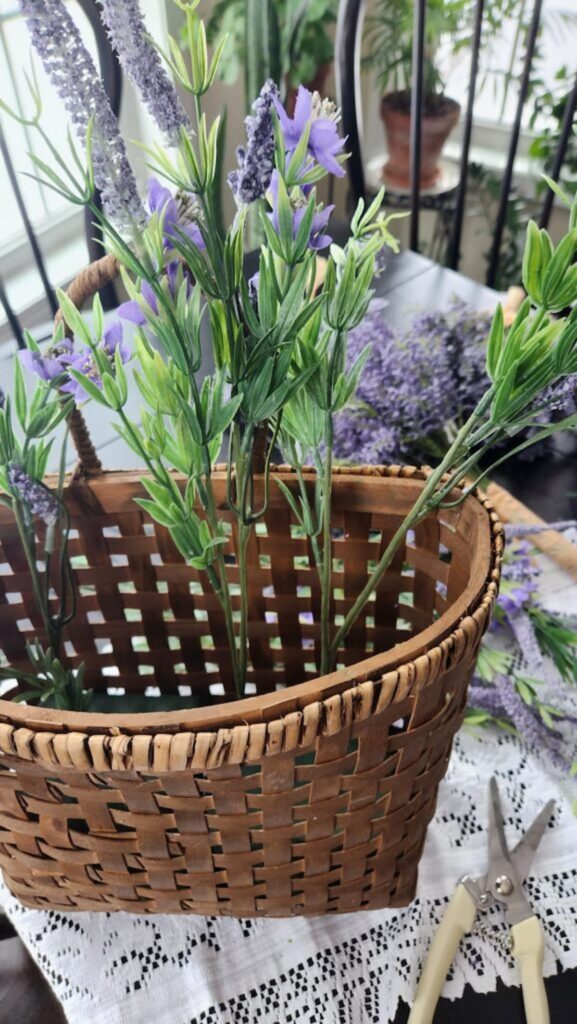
(502, 884)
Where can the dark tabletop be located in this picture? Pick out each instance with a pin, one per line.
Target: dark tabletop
(548, 485)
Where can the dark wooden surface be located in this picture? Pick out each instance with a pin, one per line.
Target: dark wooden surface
(410, 283)
(25, 997)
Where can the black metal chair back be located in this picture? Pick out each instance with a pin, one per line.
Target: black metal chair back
(112, 80)
(348, 67)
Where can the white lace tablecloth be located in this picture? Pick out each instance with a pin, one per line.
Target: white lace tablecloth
(350, 969)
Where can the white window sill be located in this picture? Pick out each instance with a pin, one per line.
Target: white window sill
(64, 249)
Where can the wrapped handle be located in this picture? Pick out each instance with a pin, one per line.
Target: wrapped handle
(528, 948)
(457, 922)
(88, 282)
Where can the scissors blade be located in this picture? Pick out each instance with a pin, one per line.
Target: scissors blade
(514, 865)
(524, 852)
(499, 855)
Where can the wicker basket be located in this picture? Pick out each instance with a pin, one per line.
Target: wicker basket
(312, 796)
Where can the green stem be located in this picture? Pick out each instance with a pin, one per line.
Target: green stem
(327, 556)
(540, 315)
(224, 595)
(424, 504)
(244, 532)
(305, 497)
(53, 632)
(219, 580)
(197, 109)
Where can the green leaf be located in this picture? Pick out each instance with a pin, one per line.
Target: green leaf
(558, 265)
(495, 342)
(298, 157)
(20, 402)
(559, 192)
(111, 392)
(156, 512)
(226, 414)
(48, 417)
(97, 317)
(532, 259)
(285, 218)
(73, 318)
(271, 236)
(291, 501)
(158, 491)
(92, 390)
(303, 234)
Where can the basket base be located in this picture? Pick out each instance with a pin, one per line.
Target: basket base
(377, 899)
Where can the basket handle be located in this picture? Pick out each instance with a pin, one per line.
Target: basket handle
(89, 281)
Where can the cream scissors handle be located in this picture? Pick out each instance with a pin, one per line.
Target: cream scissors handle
(528, 948)
(457, 922)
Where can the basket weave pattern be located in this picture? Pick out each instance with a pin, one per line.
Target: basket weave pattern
(303, 799)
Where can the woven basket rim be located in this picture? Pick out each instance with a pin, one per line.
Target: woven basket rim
(266, 718)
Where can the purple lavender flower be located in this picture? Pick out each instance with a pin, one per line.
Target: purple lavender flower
(84, 362)
(34, 496)
(51, 363)
(162, 202)
(134, 311)
(2, 398)
(141, 62)
(325, 143)
(70, 68)
(256, 162)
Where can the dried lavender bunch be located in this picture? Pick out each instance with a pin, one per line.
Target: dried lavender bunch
(527, 659)
(503, 703)
(70, 67)
(141, 61)
(435, 374)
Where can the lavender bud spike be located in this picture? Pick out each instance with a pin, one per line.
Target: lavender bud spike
(71, 70)
(256, 162)
(141, 62)
(38, 500)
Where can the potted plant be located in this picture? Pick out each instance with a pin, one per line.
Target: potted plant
(315, 626)
(390, 58)
(298, 41)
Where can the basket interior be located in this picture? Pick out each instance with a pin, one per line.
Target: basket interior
(148, 624)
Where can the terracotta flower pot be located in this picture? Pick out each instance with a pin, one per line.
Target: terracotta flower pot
(438, 122)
